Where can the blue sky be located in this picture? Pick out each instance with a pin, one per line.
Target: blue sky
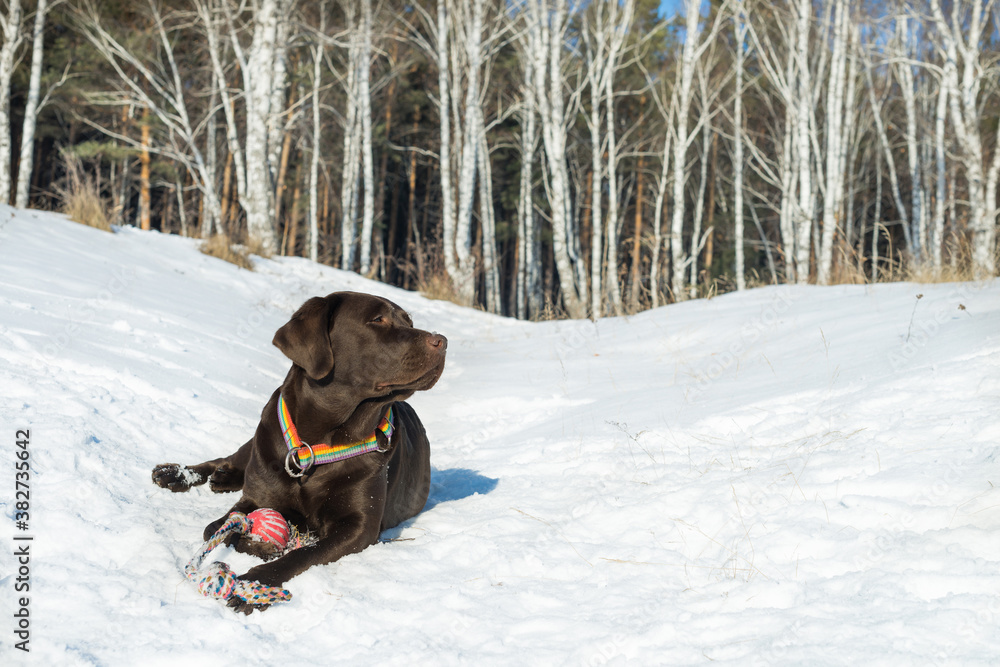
(669, 7)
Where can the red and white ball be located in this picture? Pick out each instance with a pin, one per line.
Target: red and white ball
(269, 526)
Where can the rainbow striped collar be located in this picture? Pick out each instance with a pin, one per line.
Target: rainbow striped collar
(305, 456)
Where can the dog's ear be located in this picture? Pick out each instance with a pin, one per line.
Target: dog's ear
(305, 339)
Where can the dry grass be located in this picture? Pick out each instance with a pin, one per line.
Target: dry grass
(554, 311)
(81, 198)
(852, 269)
(956, 265)
(960, 273)
(255, 246)
(437, 285)
(219, 246)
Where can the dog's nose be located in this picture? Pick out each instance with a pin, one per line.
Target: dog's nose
(438, 342)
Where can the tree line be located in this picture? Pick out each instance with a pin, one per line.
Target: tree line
(534, 158)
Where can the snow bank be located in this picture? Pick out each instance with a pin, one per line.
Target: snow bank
(787, 475)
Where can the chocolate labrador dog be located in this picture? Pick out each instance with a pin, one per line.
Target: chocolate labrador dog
(354, 358)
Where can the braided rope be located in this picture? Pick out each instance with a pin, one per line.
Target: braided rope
(219, 581)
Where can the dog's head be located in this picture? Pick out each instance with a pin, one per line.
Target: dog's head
(363, 342)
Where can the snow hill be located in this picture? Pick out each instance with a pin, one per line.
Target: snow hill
(790, 475)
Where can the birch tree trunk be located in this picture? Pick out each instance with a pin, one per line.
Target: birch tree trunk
(547, 25)
(961, 39)
(258, 81)
(699, 206)
(488, 220)
(619, 20)
(787, 222)
(317, 129)
(596, 189)
(12, 37)
(596, 44)
(144, 163)
(276, 117)
(211, 149)
(851, 137)
(804, 207)
(441, 52)
(689, 56)
(661, 192)
(470, 31)
(367, 157)
(31, 107)
(877, 219)
(350, 183)
(529, 298)
(835, 126)
(606, 25)
(937, 233)
(741, 35)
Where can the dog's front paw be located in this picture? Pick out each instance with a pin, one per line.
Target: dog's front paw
(176, 477)
(241, 606)
(255, 591)
(264, 550)
(226, 479)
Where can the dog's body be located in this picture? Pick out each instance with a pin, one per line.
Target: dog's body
(354, 356)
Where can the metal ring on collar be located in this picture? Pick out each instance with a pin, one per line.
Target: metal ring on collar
(302, 469)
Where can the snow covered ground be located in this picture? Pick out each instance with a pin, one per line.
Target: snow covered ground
(773, 477)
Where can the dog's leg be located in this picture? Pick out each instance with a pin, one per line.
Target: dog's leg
(347, 536)
(244, 506)
(223, 475)
(179, 478)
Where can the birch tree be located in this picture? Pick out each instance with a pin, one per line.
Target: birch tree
(464, 40)
(961, 35)
(10, 23)
(803, 146)
(468, 33)
(437, 37)
(940, 164)
(351, 173)
(258, 81)
(487, 218)
(786, 65)
(545, 28)
(839, 111)
(606, 26)
(441, 50)
(667, 111)
(262, 84)
(696, 41)
(706, 96)
(32, 106)
(740, 30)
(316, 50)
(365, 112)
(528, 280)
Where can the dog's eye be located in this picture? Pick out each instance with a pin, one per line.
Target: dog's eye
(378, 320)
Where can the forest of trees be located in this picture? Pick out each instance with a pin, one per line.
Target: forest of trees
(535, 158)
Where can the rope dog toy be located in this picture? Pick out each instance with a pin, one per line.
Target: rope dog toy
(219, 581)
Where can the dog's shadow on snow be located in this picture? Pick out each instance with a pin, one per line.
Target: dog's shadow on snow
(447, 485)
(455, 484)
